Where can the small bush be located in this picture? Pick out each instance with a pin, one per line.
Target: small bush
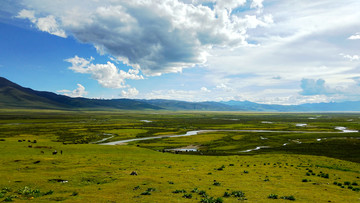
(304, 180)
(292, 198)
(335, 183)
(217, 183)
(179, 191)
(307, 174)
(195, 190)
(350, 187)
(246, 171)
(203, 193)
(221, 168)
(187, 196)
(212, 200)
(50, 192)
(150, 189)
(273, 196)
(74, 194)
(226, 194)
(238, 194)
(8, 199)
(146, 193)
(346, 183)
(354, 184)
(171, 183)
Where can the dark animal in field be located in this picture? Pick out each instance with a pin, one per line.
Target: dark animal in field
(29, 140)
(61, 152)
(30, 146)
(134, 173)
(19, 140)
(54, 152)
(42, 152)
(36, 162)
(34, 141)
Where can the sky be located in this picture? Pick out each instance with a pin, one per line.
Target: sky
(265, 51)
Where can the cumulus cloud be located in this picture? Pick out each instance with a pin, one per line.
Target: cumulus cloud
(349, 91)
(355, 36)
(130, 93)
(351, 57)
(314, 87)
(78, 92)
(45, 24)
(204, 89)
(107, 75)
(159, 36)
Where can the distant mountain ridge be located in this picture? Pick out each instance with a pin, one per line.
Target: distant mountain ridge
(14, 96)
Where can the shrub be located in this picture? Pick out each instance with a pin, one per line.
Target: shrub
(226, 194)
(195, 190)
(354, 184)
(216, 183)
(335, 183)
(187, 196)
(179, 191)
(8, 199)
(221, 168)
(238, 194)
(273, 196)
(50, 192)
(150, 189)
(212, 200)
(171, 183)
(307, 174)
(146, 193)
(304, 180)
(346, 183)
(350, 187)
(246, 171)
(292, 198)
(203, 193)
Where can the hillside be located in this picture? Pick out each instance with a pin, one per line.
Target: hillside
(15, 96)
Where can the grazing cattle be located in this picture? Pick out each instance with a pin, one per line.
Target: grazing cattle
(133, 173)
(60, 151)
(19, 140)
(34, 141)
(42, 152)
(30, 146)
(54, 152)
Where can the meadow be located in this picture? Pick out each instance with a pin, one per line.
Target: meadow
(305, 157)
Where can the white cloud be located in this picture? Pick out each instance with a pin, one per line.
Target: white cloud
(78, 92)
(159, 36)
(351, 57)
(130, 93)
(107, 75)
(204, 89)
(356, 36)
(45, 24)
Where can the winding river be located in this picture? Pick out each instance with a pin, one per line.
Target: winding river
(195, 132)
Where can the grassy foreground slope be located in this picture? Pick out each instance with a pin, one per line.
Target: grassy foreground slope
(97, 173)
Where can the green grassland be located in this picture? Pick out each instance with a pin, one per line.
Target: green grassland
(313, 171)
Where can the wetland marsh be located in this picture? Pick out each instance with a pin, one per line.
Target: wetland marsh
(218, 156)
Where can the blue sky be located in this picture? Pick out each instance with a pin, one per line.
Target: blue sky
(265, 51)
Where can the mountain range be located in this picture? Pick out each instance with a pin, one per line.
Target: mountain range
(14, 96)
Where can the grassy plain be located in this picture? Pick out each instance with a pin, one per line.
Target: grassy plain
(98, 173)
